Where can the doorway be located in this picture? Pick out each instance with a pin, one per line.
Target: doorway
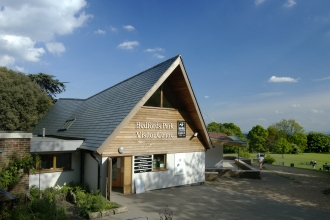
(120, 174)
(117, 174)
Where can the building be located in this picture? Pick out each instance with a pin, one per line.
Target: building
(146, 130)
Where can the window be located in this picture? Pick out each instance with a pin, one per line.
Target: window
(67, 124)
(55, 162)
(163, 98)
(159, 162)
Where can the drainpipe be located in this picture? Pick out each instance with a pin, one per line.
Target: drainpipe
(98, 170)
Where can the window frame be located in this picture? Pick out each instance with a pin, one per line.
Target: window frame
(155, 169)
(54, 160)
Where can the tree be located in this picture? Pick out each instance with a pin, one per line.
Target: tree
(273, 136)
(300, 142)
(288, 127)
(282, 146)
(257, 139)
(318, 142)
(293, 132)
(22, 102)
(213, 127)
(48, 84)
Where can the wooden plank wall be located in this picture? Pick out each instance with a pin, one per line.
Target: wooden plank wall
(127, 189)
(143, 146)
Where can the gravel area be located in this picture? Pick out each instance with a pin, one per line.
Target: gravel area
(284, 184)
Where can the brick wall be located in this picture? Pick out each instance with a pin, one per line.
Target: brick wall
(17, 144)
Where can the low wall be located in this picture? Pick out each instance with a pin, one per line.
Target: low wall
(244, 164)
(247, 171)
(250, 174)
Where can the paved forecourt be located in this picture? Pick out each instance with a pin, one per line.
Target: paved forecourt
(209, 202)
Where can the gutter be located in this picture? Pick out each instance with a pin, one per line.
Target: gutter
(98, 170)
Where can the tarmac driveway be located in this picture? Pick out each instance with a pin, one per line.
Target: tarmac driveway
(209, 202)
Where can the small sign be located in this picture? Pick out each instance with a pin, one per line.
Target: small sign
(143, 164)
(181, 129)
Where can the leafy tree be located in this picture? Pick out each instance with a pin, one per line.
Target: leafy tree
(318, 142)
(273, 136)
(293, 132)
(48, 84)
(22, 103)
(300, 142)
(282, 146)
(288, 127)
(257, 139)
(213, 127)
(231, 129)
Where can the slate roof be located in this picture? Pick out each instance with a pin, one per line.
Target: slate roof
(98, 116)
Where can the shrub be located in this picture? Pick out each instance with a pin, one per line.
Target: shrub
(92, 202)
(244, 154)
(269, 159)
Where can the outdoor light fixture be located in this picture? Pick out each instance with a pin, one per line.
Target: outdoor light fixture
(196, 133)
(121, 150)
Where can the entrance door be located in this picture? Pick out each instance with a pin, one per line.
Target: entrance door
(120, 175)
(117, 172)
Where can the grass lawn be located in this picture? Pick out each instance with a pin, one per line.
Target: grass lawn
(297, 159)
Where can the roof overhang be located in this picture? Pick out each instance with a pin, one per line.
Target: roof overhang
(218, 139)
(47, 144)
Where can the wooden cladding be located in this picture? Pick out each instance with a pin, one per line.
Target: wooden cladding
(157, 137)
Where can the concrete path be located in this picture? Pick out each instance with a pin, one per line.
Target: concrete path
(209, 202)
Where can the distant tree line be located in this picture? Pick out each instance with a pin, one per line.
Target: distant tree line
(285, 136)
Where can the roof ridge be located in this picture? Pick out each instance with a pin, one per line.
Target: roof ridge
(173, 58)
(72, 99)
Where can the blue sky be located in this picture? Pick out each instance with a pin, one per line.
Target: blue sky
(249, 62)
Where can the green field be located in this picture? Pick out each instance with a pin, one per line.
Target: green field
(297, 159)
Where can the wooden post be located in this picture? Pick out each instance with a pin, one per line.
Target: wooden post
(109, 182)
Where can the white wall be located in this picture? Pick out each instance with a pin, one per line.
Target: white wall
(90, 167)
(194, 173)
(214, 157)
(57, 178)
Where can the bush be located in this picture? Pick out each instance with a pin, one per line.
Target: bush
(244, 154)
(269, 159)
(92, 202)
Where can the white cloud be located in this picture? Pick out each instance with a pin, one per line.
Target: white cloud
(323, 79)
(317, 111)
(19, 69)
(129, 27)
(295, 105)
(23, 26)
(55, 48)
(275, 79)
(99, 31)
(13, 47)
(154, 49)
(258, 2)
(290, 3)
(113, 29)
(159, 56)
(278, 112)
(128, 45)
(206, 96)
(6, 60)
